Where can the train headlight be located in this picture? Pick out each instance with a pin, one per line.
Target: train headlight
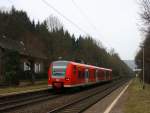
(67, 79)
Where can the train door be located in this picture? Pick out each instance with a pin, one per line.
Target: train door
(86, 75)
(109, 75)
(105, 76)
(74, 74)
(96, 75)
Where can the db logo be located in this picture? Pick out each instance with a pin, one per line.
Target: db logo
(57, 80)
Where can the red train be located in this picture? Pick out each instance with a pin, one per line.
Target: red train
(71, 74)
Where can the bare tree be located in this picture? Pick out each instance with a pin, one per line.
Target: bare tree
(145, 15)
(4, 9)
(53, 23)
(112, 51)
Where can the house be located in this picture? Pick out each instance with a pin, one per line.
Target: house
(28, 52)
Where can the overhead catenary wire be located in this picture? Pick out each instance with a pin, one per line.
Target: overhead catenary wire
(86, 18)
(66, 18)
(84, 15)
(10, 1)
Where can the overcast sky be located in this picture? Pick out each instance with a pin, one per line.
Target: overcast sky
(114, 22)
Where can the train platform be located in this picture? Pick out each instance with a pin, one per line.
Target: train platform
(113, 103)
(39, 85)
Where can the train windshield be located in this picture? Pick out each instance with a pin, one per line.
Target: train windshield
(59, 68)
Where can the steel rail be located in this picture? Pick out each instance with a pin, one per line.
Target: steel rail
(80, 105)
(14, 103)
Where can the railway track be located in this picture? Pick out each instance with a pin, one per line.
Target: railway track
(8, 103)
(12, 102)
(81, 104)
(78, 101)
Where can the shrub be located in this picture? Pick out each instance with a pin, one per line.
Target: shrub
(12, 67)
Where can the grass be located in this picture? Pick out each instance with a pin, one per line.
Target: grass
(38, 85)
(138, 100)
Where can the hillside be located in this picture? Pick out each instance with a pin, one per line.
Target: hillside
(130, 63)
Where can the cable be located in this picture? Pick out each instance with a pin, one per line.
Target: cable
(85, 16)
(49, 5)
(89, 21)
(10, 1)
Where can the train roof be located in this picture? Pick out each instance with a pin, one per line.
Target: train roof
(80, 64)
(90, 66)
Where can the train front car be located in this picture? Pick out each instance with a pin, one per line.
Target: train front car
(58, 74)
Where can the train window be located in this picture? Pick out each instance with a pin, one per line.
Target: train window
(94, 73)
(86, 73)
(80, 74)
(108, 74)
(105, 74)
(99, 73)
(74, 70)
(59, 68)
(83, 73)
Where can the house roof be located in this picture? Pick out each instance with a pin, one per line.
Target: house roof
(19, 46)
(10, 44)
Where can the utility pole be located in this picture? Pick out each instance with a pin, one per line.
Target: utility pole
(143, 68)
(142, 46)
